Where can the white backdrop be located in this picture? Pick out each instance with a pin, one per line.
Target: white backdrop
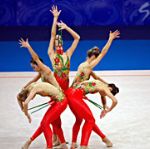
(127, 126)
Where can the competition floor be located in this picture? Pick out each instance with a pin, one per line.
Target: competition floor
(127, 126)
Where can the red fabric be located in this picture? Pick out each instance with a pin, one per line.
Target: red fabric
(81, 111)
(57, 129)
(64, 84)
(63, 81)
(52, 115)
(98, 131)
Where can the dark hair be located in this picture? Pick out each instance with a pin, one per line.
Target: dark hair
(34, 62)
(115, 89)
(23, 95)
(93, 51)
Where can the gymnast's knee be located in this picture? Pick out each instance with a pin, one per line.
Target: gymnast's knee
(44, 125)
(91, 121)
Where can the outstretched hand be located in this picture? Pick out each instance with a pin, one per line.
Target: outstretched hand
(23, 43)
(103, 113)
(61, 25)
(25, 110)
(29, 118)
(114, 35)
(55, 11)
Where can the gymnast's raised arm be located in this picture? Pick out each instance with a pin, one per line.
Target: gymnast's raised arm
(35, 57)
(56, 14)
(75, 36)
(112, 36)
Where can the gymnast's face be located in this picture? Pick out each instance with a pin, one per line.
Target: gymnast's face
(58, 41)
(35, 67)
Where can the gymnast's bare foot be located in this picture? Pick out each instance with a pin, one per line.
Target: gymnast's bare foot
(73, 145)
(107, 142)
(63, 146)
(56, 141)
(27, 144)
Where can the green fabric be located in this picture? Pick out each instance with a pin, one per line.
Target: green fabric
(38, 105)
(42, 107)
(95, 104)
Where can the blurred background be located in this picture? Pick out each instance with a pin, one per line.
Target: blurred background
(127, 64)
(92, 19)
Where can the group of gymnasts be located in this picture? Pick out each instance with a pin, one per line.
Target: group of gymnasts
(55, 84)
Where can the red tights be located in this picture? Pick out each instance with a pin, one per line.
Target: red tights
(52, 116)
(64, 84)
(81, 111)
(76, 128)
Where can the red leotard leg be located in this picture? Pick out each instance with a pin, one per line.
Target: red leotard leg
(80, 108)
(52, 114)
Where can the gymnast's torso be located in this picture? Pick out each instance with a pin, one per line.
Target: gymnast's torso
(93, 86)
(61, 65)
(46, 89)
(49, 77)
(83, 73)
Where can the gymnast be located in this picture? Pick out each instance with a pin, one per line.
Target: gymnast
(79, 108)
(52, 114)
(85, 70)
(59, 58)
(45, 73)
